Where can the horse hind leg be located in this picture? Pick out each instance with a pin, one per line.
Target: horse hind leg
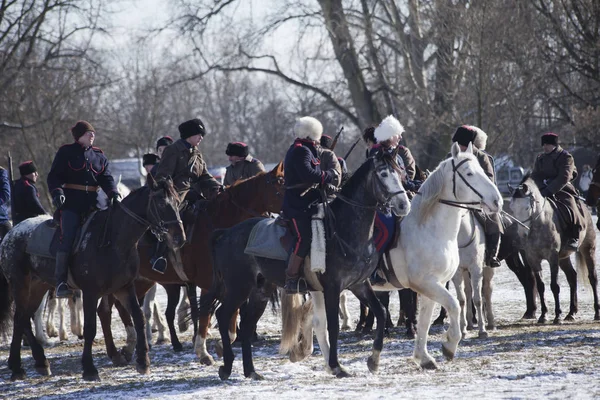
(52, 305)
(173, 295)
(319, 321)
(541, 289)
(586, 265)
(62, 314)
(76, 312)
(41, 363)
(487, 290)
(129, 298)
(567, 267)
(38, 319)
(458, 281)
(344, 311)
(477, 283)
(555, 290)
(254, 309)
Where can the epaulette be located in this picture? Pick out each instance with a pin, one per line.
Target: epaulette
(97, 149)
(297, 144)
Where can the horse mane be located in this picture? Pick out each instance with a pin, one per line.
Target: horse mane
(354, 180)
(527, 179)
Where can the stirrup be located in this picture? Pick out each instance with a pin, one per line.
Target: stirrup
(377, 279)
(295, 285)
(63, 290)
(160, 265)
(572, 244)
(494, 262)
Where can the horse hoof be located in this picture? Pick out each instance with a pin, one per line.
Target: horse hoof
(177, 347)
(223, 374)
(80, 337)
(372, 364)
(44, 370)
(528, 315)
(256, 376)
(119, 360)
(207, 360)
(341, 372)
(18, 375)
(570, 317)
(160, 341)
(542, 320)
(596, 317)
(557, 321)
(142, 369)
(219, 349)
(483, 335)
(128, 356)
(91, 377)
(447, 353)
(430, 365)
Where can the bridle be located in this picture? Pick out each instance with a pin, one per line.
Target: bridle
(534, 216)
(270, 180)
(462, 204)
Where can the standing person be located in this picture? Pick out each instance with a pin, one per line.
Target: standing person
(77, 171)
(27, 199)
(302, 169)
(585, 180)
(5, 224)
(492, 225)
(242, 164)
(553, 172)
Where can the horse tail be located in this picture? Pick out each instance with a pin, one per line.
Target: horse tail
(6, 301)
(295, 315)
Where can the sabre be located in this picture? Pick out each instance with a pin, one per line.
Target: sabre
(352, 148)
(335, 139)
(514, 219)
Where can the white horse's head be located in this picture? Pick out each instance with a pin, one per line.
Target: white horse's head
(470, 184)
(388, 188)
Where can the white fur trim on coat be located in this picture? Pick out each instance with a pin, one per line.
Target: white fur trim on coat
(388, 128)
(481, 137)
(308, 127)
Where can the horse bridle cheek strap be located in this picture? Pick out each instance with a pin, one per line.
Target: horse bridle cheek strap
(390, 196)
(455, 172)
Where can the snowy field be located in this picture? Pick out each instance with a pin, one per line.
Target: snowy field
(520, 359)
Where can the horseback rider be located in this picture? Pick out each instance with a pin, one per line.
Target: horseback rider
(329, 161)
(302, 169)
(242, 164)
(492, 224)
(5, 224)
(327, 144)
(77, 171)
(149, 162)
(162, 144)
(27, 199)
(553, 172)
(183, 162)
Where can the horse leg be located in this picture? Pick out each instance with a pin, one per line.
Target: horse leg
(344, 311)
(555, 288)
(148, 309)
(360, 325)
(402, 314)
(129, 297)
(319, 321)
(173, 295)
(50, 327)
(131, 340)
(255, 308)
(38, 319)
(41, 363)
(567, 267)
(14, 359)
(588, 258)
(90, 373)
(76, 311)
(183, 312)
(207, 303)
(332, 299)
(441, 295)
(459, 285)
(369, 320)
(527, 278)
(105, 313)
(365, 293)
(192, 295)
(159, 323)
(62, 333)
(225, 314)
(385, 301)
(420, 354)
(488, 274)
(541, 289)
(442, 316)
(477, 283)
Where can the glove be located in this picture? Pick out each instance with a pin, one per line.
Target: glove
(58, 200)
(115, 197)
(331, 189)
(545, 192)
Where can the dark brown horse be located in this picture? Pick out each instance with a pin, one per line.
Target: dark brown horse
(244, 199)
(96, 270)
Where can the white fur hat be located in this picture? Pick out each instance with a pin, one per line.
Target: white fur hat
(481, 137)
(308, 127)
(388, 128)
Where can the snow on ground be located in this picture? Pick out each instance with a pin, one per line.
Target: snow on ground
(521, 359)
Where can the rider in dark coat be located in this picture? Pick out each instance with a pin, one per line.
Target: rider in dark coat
(27, 199)
(77, 171)
(243, 165)
(553, 172)
(5, 224)
(302, 169)
(492, 224)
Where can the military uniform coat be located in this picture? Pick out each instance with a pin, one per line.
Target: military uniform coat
(185, 165)
(27, 202)
(247, 168)
(74, 164)
(329, 161)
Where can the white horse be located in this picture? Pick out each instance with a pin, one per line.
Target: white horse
(154, 316)
(473, 278)
(45, 327)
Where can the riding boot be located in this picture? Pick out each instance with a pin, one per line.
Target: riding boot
(293, 282)
(492, 242)
(375, 278)
(158, 260)
(61, 271)
(572, 242)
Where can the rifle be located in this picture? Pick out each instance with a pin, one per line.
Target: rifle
(335, 139)
(12, 185)
(352, 147)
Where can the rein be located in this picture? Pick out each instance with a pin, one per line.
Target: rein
(460, 204)
(472, 239)
(157, 229)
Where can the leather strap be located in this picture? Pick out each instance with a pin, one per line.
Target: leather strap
(84, 188)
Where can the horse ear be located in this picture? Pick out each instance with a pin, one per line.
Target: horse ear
(469, 148)
(278, 169)
(525, 189)
(454, 150)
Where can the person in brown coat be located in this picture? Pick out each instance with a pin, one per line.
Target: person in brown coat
(553, 172)
(492, 224)
(243, 166)
(329, 160)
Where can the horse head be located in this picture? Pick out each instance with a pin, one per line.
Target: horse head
(163, 212)
(273, 189)
(592, 198)
(526, 201)
(386, 184)
(470, 184)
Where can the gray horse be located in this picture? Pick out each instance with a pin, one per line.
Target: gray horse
(543, 240)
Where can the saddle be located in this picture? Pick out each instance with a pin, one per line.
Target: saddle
(270, 238)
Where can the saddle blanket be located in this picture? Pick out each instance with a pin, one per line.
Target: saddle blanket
(264, 240)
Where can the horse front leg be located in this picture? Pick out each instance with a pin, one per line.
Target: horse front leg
(344, 311)
(76, 311)
(555, 290)
(131, 340)
(129, 299)
(420, 354)
(588, 258)
(332, 300)
(488, 274)
(105, 315)
(14, 359)
(527, 278)
(90, 373)
(173, 296)
(541, 289)
(477, 282)
(365, 293)
(193, 305)
(255, 307)
(567, 267)
(319, 321)
(207, 305)
(459, 284)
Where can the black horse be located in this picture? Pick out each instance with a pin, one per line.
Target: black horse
(96, 270)
(351, 258)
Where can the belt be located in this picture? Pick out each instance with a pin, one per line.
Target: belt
(85, 188)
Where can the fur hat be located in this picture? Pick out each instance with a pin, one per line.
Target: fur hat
(464, 135)
(80, 128)
(388, 128)
(326, 142)
(550, 138)
(480, 140)
(238, 149)
(308, 128)
(149, 159)
(27, 167)
(191, 128)
(369, 135)
(164, 141)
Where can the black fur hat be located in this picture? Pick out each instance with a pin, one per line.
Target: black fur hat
(27, 167)
(464, 135)
(369, 135)
(149, 159)
(192, 127)
(550, 138)
(164, 141)
(326, 142)
(80, 128)
(238, 149)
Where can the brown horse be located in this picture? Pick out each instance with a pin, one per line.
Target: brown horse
(96, 270)
(242, 200)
